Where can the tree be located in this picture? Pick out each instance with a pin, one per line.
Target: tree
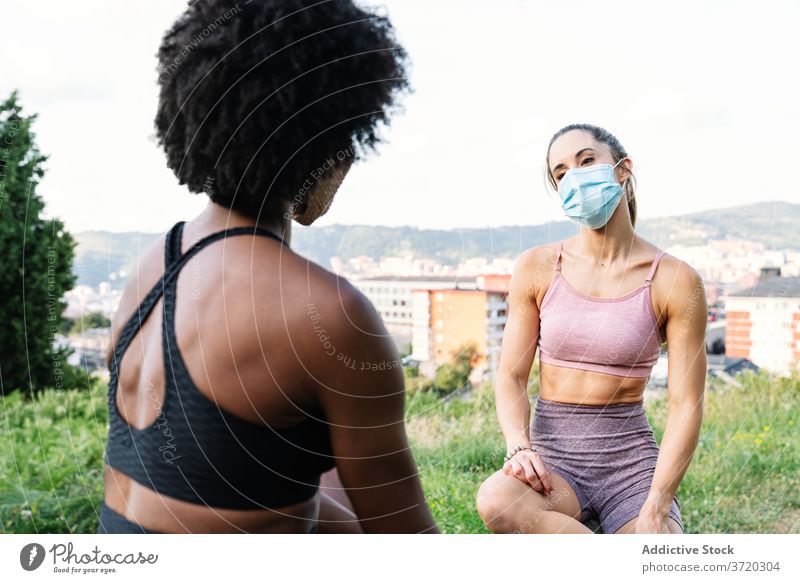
(454, 375)
(88, 321)
(37, 255)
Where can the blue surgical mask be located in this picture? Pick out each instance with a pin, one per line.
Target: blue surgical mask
(589, 195)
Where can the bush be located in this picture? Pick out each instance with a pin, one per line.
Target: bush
(51, 469)
(454, 375)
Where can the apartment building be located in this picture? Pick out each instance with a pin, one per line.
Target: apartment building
(763, 322)
(446, 319)
(392, 298)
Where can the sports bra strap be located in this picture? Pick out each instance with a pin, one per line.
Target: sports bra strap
(653, 267)
(558, 258)
(170, 275)
(172, 248)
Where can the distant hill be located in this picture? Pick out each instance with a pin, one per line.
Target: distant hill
(100, 255)
(775, 224)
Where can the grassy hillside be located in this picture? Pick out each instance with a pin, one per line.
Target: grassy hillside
(745, 476)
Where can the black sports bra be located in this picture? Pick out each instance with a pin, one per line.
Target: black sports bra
(195, 451)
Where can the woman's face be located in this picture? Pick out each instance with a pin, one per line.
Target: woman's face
(576, 149)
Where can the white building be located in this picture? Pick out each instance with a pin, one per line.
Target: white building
(392, 298)
(763, 323)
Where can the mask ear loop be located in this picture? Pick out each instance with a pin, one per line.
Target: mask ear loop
(627, 194)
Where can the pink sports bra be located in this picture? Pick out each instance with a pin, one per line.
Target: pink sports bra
(617, 336)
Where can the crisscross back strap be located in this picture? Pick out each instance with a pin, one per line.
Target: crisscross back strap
(653, 267)
(172, 247)
(175, 263)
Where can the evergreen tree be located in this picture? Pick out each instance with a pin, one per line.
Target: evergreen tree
(36, 269)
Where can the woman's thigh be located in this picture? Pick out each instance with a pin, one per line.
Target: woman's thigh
(336, 518)
(331, 484)
(501, 493)
(336, 512)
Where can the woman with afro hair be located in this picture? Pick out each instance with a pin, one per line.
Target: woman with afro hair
(242, 372)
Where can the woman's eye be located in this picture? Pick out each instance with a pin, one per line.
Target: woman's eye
(587, 159)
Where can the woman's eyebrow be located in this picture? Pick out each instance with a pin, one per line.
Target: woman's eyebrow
(578, 155)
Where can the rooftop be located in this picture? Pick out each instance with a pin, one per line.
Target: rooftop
(729, 364)
(769, 287)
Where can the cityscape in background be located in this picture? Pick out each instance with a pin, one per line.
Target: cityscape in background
(433, 307)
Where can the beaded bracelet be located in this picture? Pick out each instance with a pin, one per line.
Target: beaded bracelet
(512, 452)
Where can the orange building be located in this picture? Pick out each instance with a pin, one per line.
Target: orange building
(445, 320)
(391, 296)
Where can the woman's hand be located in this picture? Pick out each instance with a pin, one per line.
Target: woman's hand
(531, 469)
(649, 523)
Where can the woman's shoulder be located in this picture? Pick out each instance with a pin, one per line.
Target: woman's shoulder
(675, 270)
(534, 269)
(676, 282)
(307, 288)
(542, 255)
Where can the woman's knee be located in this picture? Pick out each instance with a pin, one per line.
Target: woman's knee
(494, 505)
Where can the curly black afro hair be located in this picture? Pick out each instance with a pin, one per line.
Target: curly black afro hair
(256, 95)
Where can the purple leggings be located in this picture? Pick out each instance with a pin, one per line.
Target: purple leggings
(607, 453)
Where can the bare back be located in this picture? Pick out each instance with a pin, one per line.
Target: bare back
(247, 324)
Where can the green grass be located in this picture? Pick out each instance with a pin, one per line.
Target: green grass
(743, 477)
(51, 466)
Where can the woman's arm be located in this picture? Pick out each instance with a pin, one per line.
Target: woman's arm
(362, 391)
(687, 317)
(517, 352)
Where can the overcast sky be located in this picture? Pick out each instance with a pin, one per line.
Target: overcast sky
(702, 94)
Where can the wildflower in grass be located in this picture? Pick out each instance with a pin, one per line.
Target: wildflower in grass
(766, 427)
(757, 441)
